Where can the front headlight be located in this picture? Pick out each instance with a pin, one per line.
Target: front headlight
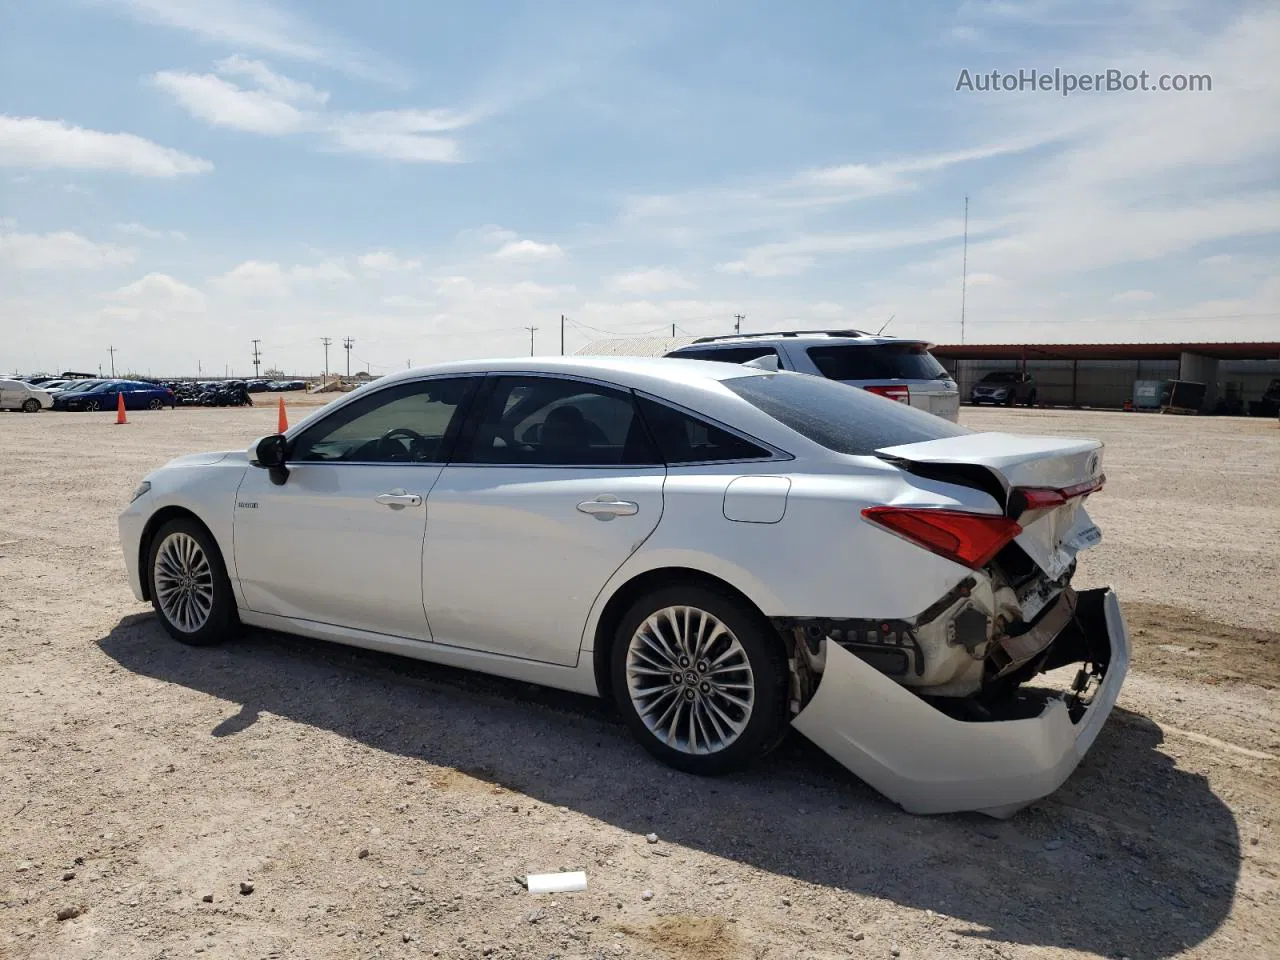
(143, 487)
(1001, 393)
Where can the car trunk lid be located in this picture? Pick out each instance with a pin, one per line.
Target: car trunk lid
(1042, 482)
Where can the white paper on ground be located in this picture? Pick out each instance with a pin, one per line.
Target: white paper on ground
(557, 882)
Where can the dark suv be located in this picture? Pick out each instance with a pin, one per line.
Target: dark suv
(1005, 387)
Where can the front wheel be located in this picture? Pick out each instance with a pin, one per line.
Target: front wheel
(31, 405)
(701, 680)
(1031, 399)
(92, 406)
(189, 586)
(155, 404)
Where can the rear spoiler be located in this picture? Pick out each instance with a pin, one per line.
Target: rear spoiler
(1015, 502)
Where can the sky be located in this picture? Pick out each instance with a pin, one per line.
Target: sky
(181, 177)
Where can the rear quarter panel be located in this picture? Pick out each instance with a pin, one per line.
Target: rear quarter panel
(821, 559)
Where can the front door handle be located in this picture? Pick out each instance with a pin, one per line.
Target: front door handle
(607, 506)
(398, 499)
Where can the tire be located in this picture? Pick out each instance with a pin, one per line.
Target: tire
(199, 608)
(92, 406)
(1009, 401)
(155, 404)
(1031, 399)
(754, 670)
(31, 405)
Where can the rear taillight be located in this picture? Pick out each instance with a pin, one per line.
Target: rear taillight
(1044, 498)
(899, 393)
(968, 538)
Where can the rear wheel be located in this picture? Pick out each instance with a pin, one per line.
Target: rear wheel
(31, 405)
(700, 679)
(189, 586)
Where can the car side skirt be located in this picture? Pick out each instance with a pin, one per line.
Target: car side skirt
(579, 679)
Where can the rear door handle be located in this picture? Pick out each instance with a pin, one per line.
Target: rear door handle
(607, 506)
(398, 499)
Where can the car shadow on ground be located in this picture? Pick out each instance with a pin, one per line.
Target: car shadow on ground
(1133, 856)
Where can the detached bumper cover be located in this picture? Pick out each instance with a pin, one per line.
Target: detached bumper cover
(927, 762)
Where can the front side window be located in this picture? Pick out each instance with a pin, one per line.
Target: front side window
(406, 423)
(552, 421)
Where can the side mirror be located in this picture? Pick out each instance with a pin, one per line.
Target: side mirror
(272, 452)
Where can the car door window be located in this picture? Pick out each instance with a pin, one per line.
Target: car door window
(553, 421)
(685, 438)
(405, 423)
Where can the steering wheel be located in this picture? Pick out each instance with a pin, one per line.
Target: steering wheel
(417, 444)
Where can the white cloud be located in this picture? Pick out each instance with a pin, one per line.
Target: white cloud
(1133, 296)
(650, 280)
(253, 278)
(293, 91)
(259, 25)
(44, 144)
(142, 230)
(158, 291)
(277, 105)
(528, 251)
(223, 104)
(383, 261)
(63, 250)
(327, 271)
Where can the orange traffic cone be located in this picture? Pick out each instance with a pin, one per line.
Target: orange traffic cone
(282, 421)
(120, 417)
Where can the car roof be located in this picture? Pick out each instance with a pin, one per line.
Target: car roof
(808, 339)
(637, 372)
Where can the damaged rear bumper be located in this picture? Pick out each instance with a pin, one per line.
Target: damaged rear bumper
(927, 762)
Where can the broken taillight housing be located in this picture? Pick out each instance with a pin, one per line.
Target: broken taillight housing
(972, 539)
(1044, 498)
(899, 393)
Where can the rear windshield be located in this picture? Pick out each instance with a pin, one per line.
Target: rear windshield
(841, 418)
(891, 361)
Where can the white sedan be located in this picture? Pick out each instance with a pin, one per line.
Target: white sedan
(724, 552)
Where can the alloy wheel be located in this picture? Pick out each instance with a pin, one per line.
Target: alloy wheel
(183, 581)
(690, 680)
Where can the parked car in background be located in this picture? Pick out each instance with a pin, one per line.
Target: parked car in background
(737, 552)
(54, 386)
(105, 395)
(258, 386)
(900, 369)
(1269, 404)
(1005, 387)
(27, 397)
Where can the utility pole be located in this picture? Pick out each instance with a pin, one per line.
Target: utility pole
(673, 331)
(531, 329)
(112, 351)
(964, 269)
(737, 322)
(347, 344)
(326, 341)
(561, 337)
(257, 358)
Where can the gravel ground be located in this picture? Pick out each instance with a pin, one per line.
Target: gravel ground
(279, 797)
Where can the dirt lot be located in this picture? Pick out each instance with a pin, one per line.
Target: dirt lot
(381, 808)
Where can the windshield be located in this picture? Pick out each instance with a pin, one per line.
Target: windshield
(841, 418)
(81, 387)
(1002, 377)
(892, 361)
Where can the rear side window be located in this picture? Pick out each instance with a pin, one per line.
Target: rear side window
(684, 438)
(841, 418)
(894, 361)
(724, 354)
